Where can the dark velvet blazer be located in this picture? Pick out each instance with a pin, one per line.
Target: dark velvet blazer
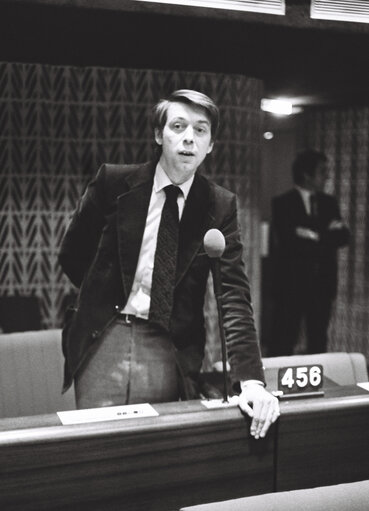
(296, 258)
(99, 254)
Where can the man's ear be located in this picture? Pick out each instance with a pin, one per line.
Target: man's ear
(158, 136)
(210, 148)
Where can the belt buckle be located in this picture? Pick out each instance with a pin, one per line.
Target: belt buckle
(124, 315)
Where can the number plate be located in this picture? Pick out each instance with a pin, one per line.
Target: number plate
(300, 379)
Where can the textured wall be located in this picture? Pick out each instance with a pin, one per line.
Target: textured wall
(344, 136)
(58, 124)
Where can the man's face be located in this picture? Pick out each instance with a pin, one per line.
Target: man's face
(185, 141)
(317, 181)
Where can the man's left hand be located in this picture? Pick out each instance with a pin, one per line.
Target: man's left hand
(261, 406)
(335, 224)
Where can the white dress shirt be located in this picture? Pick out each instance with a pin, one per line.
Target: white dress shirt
(138, 302)
(305, 195)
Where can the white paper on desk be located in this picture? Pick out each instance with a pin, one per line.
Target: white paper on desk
(108, 413)
(219, 403)
(364, 385)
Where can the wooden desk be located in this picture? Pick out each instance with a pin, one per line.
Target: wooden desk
(187, 455)
(324, 440)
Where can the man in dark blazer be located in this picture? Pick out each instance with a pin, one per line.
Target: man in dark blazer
(117, 348)
(307, 230)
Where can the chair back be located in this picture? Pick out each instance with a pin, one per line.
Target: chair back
(31, 374)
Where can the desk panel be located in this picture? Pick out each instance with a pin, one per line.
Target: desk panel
(185, 456)
(323, 441)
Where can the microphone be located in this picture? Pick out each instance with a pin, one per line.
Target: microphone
(214, 245)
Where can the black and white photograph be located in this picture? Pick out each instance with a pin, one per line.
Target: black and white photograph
(184, 255)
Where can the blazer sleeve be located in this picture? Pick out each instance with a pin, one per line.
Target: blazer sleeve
(81, 239)
(335, 238)
(284, 238)
(242, 342)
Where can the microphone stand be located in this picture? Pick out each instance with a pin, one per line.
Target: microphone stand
(215, 269)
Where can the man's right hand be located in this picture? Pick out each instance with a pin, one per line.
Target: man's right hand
(308, 234)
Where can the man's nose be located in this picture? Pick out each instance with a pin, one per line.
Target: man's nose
(188, 135)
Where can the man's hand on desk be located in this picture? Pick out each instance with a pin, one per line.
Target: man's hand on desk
(261, 406)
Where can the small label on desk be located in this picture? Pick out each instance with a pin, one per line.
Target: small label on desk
(300, 379)
(364, 385)
(107, 413)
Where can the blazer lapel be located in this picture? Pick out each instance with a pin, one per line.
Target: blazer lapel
(131, 220)
(195, 222)
(299, 205)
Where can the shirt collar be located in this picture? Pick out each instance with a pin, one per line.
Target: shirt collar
(161, 180)
(303, 191)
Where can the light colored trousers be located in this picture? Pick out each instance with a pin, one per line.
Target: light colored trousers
(132, 363)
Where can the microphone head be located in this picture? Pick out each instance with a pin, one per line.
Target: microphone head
(214, 243)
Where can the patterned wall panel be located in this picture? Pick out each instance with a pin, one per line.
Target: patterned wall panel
(343, 134)
(58, 124)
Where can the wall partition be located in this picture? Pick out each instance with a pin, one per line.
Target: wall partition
(59, 123)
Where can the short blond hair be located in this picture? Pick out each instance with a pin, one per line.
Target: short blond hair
(189, 97)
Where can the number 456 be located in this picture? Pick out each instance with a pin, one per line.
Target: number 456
(302, 376)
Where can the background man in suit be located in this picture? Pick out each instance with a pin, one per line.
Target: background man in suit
(135, 249)
(307, 230)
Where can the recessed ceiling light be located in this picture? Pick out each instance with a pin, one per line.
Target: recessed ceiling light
(268, 135)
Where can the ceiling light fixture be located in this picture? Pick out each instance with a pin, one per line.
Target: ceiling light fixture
(264, 6)
(277, 106)
(340, 10)
(268, 135)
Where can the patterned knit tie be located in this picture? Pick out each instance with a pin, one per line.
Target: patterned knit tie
(165, 261)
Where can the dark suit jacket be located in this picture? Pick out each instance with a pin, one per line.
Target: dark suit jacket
(296, 258)
(99, 254)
